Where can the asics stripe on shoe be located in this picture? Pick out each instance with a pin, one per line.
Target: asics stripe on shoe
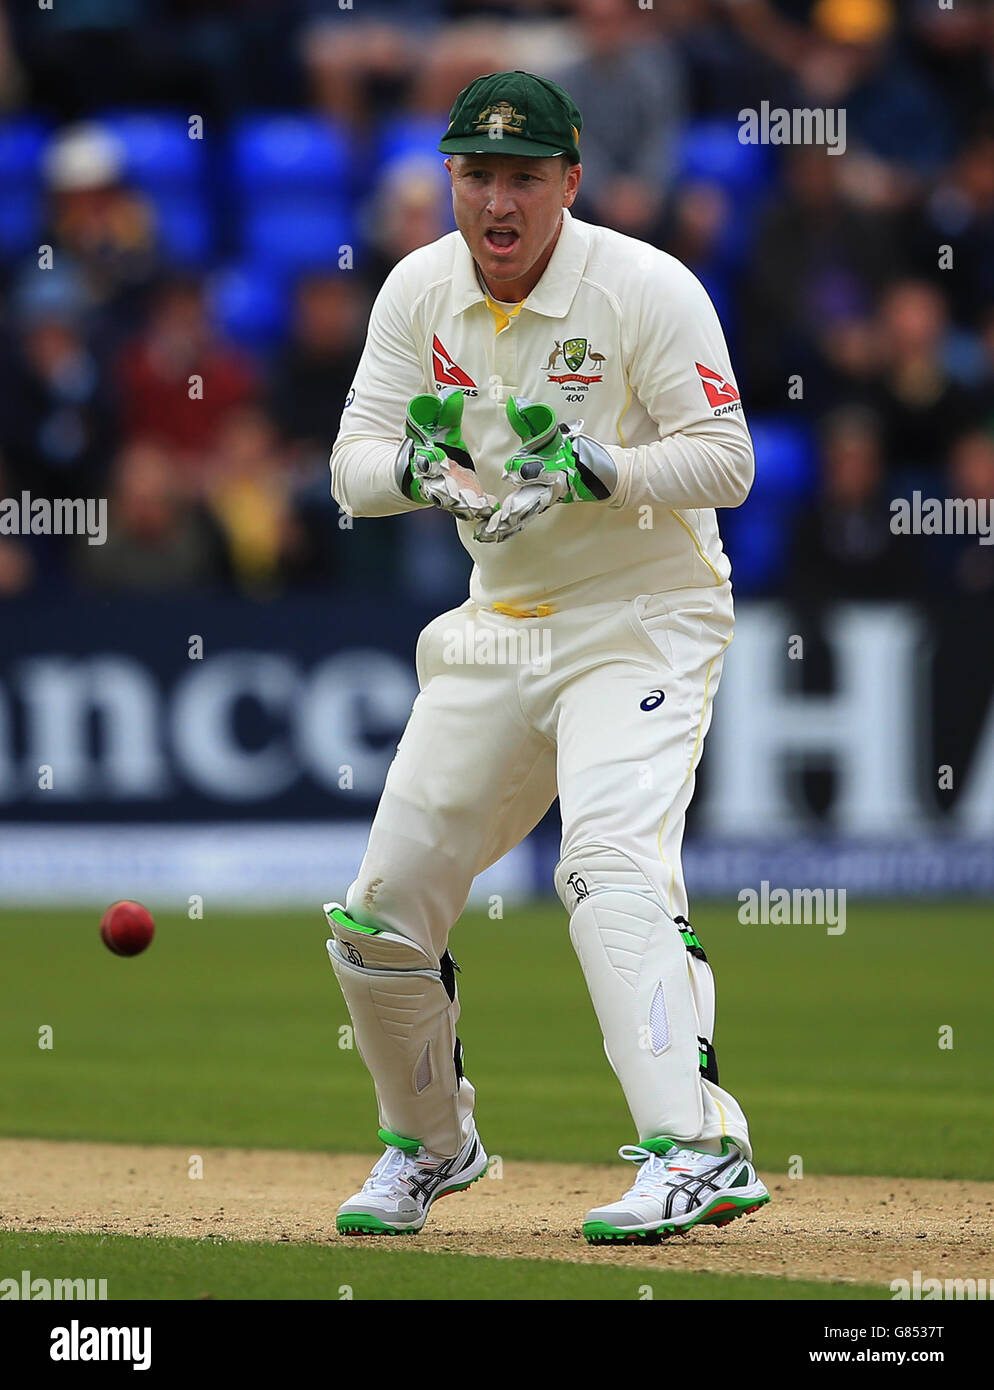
(397, 1195)
(677, 1188)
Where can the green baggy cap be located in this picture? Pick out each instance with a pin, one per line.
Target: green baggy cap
(513, 113)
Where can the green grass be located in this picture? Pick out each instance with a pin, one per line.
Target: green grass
(226, 1032)
(158, 1268)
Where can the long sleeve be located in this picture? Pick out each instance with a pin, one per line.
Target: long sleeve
(390, 372)
(680, 371)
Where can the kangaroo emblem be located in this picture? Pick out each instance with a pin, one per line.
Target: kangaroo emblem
(553, 356)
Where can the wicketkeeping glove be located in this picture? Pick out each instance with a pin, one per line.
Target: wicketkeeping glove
(434, 443)
(556, 463)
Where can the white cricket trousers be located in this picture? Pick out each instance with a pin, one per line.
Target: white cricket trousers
(606, 705)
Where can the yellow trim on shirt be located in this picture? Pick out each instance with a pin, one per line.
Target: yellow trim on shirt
(628, 401)
(510, 611)
(501, 317)
(697, 545)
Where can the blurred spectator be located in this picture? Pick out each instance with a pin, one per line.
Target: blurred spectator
(312, 375)
(451, 57)
(845, 549)
(356, 68)
(57, 426)
(919, 402)
(630, 90)
(959, 214)
(249, 494)
(966, 564)
(735, 53)
(695, 230)
(158, 538)
(12, 77)
(158, 370)
(17, 566)
(72, 51)
(835, 279)
(411, 206)
(897, 129)
(99, 228)
(850, 352)
(955, 45)
(816, 258)
(434, 565)
(199, 55)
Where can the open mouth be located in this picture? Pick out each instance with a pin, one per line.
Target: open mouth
(501, 239)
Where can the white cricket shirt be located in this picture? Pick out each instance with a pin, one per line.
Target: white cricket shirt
(616, 333)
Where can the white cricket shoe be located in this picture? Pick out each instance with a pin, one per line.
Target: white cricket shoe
(396, 1196)
(677, 1188)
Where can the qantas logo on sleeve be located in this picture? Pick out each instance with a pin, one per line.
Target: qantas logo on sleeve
(720, 392)
(447, 373)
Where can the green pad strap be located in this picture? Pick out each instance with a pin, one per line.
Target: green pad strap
(398, 1141)
(344, 920)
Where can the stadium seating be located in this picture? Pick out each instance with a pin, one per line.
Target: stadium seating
(757, 535)
(22, 142)
(249, 305)
(400, 139)
(170, 168)
(710, 150)
(291, 179)
(284, 153)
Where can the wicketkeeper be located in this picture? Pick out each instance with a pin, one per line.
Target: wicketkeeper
(565, 392)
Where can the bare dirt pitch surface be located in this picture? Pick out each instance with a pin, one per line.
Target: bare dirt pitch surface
(859, 1230)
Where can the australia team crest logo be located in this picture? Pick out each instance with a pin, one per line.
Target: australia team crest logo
(499, 118)
(575, 352)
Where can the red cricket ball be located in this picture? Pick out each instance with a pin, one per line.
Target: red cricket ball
(126, 928)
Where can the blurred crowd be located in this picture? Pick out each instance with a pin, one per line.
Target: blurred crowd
(185, 347)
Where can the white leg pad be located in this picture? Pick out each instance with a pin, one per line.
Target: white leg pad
(405, 1030)
(654, 1000)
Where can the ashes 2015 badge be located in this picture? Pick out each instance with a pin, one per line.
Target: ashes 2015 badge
(574, 353)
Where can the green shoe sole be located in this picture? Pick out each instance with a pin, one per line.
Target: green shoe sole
(358, 1223)
(720, 1213)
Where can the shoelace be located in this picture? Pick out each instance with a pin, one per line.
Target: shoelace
(657, 1167)
(390, 1174)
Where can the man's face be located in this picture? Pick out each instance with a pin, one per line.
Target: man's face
(508, 209)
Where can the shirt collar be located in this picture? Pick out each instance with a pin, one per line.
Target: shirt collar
(554, 293)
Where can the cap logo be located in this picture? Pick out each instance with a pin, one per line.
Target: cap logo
(499, 119)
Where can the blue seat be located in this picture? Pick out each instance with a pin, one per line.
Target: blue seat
(786, 468)
(757, 540)
(20, 221)
(399, 139)
(719, 293)
(711, 150)
(250, 305)
(296, 234)
(163, 163)
(185, 230)
(22, 147)
(157, 148)
(280, 153)
(22, 143)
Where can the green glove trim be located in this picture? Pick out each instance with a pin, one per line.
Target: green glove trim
(545, 449)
